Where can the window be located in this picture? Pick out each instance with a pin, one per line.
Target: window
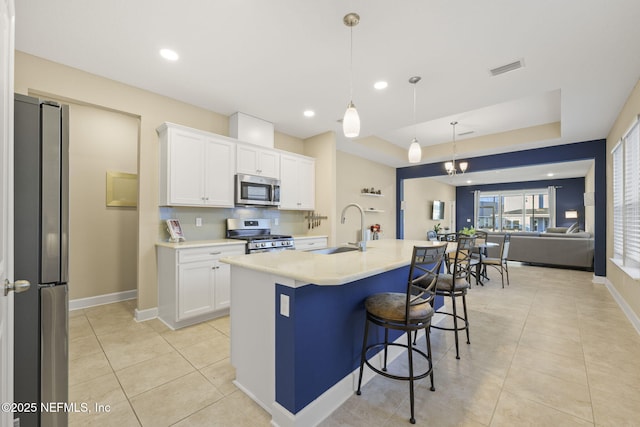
(626, 199)
(513, 211)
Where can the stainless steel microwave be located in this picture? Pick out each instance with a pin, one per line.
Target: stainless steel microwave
(252, 190)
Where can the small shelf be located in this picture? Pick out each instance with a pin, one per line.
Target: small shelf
(374, 210)
(372, 195)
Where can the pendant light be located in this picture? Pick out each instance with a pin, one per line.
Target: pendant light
(415, 152)
(351, 120)
(451, 166)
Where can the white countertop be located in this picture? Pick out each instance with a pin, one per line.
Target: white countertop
(335, 269)
(201, 243)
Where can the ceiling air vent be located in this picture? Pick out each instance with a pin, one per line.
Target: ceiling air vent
(507, 67)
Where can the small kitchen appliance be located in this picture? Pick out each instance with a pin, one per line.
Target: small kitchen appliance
(252, 190)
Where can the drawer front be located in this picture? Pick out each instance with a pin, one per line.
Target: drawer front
(209, 253)
(313, 243)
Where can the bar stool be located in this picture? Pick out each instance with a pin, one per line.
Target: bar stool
(408, 312)
(455, 284)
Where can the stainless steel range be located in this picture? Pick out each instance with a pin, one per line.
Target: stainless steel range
(257, 234)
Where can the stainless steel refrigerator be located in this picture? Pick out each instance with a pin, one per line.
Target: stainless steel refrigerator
(41, 177)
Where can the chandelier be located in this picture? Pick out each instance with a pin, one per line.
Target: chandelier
(451, 166)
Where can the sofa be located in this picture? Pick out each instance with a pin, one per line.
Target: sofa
(556, 247)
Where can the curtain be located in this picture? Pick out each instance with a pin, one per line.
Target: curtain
(552, 205)
(476, 207)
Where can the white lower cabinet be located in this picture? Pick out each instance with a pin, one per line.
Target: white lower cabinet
(309, 243)
(193, 285)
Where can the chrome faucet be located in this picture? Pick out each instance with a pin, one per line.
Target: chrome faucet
(362, 244)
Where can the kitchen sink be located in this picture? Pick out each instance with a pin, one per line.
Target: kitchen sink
(336, 250)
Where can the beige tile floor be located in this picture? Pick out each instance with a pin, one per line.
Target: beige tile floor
(552, 349)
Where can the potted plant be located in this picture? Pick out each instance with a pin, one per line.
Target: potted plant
(437, 228)
(469, 231)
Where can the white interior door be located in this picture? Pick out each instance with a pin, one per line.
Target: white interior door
(6, 206)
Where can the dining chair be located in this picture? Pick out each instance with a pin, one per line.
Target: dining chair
(479, 254)
(500, 263)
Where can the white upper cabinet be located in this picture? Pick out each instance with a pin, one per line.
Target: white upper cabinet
(196, 168)
(254, 160)
(297, 182)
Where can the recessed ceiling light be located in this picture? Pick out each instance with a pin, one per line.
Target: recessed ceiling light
(309, 113)
(381, 85)
(550, 174)
(169, 55)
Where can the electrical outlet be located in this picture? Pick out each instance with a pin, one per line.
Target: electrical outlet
(276, 221)
(284, 305)
(198, 222)
(468, 219)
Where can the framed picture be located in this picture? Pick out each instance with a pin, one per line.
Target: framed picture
(175, 231)
(122, 189)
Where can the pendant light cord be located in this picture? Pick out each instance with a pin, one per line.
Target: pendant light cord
(454, 146)
(415, 124)
(351, 65)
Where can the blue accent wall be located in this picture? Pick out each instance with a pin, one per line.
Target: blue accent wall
(589, 150)
(321, 340)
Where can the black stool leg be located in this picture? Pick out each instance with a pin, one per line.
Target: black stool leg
(506, 268)
(466, 318)
(427, 332)
(410, 353)
(363, 355)
(386, 344)
(455, 323)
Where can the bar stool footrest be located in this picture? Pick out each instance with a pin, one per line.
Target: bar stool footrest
(398, 377)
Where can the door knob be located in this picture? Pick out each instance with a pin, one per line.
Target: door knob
(17, 287)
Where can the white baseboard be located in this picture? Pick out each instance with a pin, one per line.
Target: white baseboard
(147, 314)
(626, 309)
(81, 303)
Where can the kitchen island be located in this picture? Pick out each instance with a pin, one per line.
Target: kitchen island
(297, 321)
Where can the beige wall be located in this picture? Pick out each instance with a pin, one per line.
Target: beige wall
(323, 148)
(104, 240)
(35, 74)
(285, 142)
(38, 76)
(627, 287)
(419, 194)
(353, 174)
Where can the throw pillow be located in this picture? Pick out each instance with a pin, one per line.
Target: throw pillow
(561, 230)
(573, 229)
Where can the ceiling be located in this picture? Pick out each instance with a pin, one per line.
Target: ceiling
(274, 60)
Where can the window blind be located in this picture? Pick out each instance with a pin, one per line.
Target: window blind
(631, 215)
(618, 199)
